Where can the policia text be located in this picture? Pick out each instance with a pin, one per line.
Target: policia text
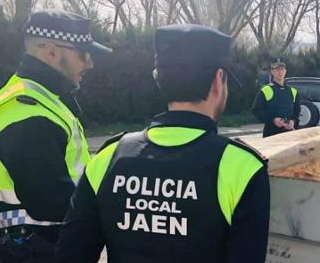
(160, 224)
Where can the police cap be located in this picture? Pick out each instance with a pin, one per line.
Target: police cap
(64, 26)
(278, 62)
(191, 45)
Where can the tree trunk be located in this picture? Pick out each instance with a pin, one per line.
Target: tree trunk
(318, 24)
(155, 18)
(23, 10)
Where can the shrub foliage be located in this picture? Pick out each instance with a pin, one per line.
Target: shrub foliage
(121, 88)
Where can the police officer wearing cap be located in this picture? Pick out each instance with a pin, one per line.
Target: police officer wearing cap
(43, 150)
(277, 105)
(176, 191)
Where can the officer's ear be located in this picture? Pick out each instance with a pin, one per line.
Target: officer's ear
(52, 54)
(219, 82)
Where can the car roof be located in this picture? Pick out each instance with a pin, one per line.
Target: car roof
(303, 79)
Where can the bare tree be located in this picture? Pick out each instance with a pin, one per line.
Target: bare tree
(17, 10)
(317, 17)
(169, 11)
(155, 18)
(22, 11)
(229, 16)
(234, 15)
(190, 9)
(8, 7)
(277, 22)
(148, 8)
(88, 8)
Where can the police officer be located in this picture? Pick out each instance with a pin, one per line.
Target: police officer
(43, 150)
(176, 191)
(277, 105)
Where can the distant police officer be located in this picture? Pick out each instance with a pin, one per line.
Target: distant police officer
(277, 105)
(176, 191)
(42, 146)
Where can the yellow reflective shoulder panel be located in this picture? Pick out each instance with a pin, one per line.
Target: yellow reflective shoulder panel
(294, 93)
(98, 166)
(8, 93)
(237, 167)
(173, 136)
(5, 180)
(267, 92)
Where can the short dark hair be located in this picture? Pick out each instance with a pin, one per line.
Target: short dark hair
(182, 83)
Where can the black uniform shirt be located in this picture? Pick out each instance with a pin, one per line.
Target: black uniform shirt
(281, 105)
(87, 225)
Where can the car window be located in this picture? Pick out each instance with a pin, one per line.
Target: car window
(308, 91)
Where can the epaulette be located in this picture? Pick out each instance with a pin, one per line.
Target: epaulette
(26, 100)
(111, 140)
(242, 144)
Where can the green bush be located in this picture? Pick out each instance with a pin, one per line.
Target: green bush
(121, 88)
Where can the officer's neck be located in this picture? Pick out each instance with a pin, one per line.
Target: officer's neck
(279, 81)
(201, 107)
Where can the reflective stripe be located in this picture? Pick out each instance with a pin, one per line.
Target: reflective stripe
(21, 217)
(294, 93)
(32, 86)
(9, 197)
(78, 166)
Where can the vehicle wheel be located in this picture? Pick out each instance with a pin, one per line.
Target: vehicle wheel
(309, 114)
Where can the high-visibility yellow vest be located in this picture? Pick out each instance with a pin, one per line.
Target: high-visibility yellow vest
(48, 105)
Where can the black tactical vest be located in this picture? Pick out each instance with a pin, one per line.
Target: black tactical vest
(161, 202)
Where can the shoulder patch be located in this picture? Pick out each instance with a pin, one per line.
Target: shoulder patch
(26, 100)
(240, 143)
(111, 140)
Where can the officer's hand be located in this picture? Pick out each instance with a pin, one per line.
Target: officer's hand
(279, 122)
(290, 125)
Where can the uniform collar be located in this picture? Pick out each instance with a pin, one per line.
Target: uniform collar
(34, 69)
(276, 84)
(184, 119)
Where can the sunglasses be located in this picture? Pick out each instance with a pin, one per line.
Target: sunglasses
(83, 56)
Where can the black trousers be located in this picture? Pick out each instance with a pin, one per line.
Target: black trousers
(20, 244)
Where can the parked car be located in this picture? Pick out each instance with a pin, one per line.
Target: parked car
(309, 90)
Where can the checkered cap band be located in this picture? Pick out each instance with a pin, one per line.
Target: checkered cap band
(59, 35)
(20, 217)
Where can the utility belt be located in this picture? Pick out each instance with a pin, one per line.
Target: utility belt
(21, 217)
(21, 243)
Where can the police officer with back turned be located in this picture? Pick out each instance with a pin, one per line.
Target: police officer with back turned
(175, 192)
(43, 150)
(277, 105)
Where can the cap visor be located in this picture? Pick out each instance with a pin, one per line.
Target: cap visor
(234, 78)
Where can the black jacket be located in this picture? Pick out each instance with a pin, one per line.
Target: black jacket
(33, 151)
(100, 219)
(281, 105)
